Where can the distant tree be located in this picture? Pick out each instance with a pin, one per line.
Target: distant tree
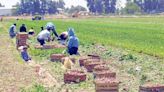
(52, 7)
(113, 6)
(102, 6)
(91, 5)
(75, 9)
(39, 6)
(61, 4)
(2, 5)
(150, 6)
(107, 6)
(15, 9)
(99, 6)
(131, 8)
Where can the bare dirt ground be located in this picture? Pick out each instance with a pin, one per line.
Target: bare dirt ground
(16, 74)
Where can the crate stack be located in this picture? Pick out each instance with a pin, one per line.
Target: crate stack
(75, 76)
(105, 79)
(21, 39)
(152, 88)
(57, 57)
(106, 85)
(49, 46)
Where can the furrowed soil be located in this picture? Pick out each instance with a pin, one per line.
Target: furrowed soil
(133, 69)
(14, 74)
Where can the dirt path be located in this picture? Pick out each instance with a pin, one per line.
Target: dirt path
(14, 73)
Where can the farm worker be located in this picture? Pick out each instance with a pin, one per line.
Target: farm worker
(44, 36)
(31, 31)
(12, 30)
(52, 28)
(63, 37)
(73, 42)
(23, 28)
(24, 54)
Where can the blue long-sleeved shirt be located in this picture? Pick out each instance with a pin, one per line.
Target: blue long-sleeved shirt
(52, 27)
(73, 41)
(12, 31)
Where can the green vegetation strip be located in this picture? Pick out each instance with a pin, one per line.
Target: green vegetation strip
(144, 35)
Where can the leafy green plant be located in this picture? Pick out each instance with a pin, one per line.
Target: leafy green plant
(35, 88)
(143, 79)
(128, 57)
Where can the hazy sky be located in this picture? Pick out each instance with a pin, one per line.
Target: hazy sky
(9, 3)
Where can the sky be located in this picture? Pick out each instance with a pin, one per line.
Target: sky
(69, 3)
(9, 3)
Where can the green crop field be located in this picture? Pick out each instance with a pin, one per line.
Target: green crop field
(139, 34)
(132, 47)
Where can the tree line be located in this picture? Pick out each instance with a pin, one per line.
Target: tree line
(39, 6)
(2, 5)
(150, 6)
(132, 6)
(101, 6)
(94, 6)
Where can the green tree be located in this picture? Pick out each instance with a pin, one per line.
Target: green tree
(2, 5)
(131, 8)
(75, 9)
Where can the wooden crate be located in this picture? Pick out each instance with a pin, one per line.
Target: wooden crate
(75, 76)
(104, 74)
(22, 35)
(106, 85)
(90, 66)
(101, 67)
(49, 46)
(93, 56)
(152, 88)
(90, 60)
(82, 59)
(21, 42)
(57, 57)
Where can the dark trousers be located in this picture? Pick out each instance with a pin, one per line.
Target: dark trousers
(73, 50)
(62, 37)
(41, 41)
(31, 33)
(12, 36)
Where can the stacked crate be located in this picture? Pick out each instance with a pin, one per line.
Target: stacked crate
(106, 85)
(100, 68)
(90, 66)
(74, 76)
(21, 39)
(82, 60)
(57, 57)
(105, 74)
(152, 88)
(105, 79)
(49, 46)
